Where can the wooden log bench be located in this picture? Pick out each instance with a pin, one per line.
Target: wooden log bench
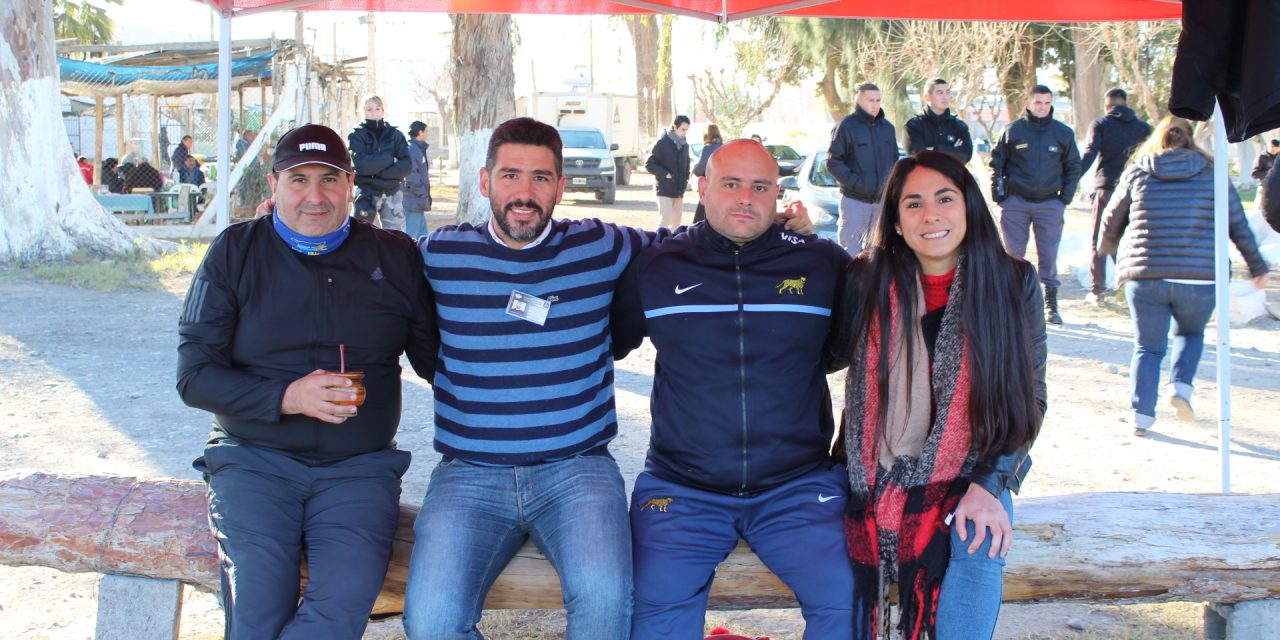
(1126, 547)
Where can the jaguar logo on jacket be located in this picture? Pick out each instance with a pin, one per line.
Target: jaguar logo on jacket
(795, 285)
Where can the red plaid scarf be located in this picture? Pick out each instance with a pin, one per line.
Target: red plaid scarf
(895, 526)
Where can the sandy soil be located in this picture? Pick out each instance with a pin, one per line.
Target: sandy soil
(87, 379)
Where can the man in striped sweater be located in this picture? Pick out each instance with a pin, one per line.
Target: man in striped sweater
(524, 401)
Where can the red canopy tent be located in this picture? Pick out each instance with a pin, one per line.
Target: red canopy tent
(727, 10)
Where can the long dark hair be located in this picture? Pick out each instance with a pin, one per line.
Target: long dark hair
(1003, 411)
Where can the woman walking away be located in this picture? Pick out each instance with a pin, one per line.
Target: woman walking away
(711, 141)
(669, 164)
(944, 395)
(1159, 225)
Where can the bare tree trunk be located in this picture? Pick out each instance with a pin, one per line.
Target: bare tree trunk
(1087, 101)
(644, 39)
(46, 210)
(830, 92)
(1019, 76)
(484, 97)
(666, 80)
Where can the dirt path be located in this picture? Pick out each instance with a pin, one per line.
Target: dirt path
(88, 377)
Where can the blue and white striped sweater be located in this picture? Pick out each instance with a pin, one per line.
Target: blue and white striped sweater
(508, 391)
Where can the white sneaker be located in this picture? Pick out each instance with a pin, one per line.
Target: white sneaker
(1183, 408)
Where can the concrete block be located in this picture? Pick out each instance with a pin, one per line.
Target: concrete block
(1254, 620)
(131, 608)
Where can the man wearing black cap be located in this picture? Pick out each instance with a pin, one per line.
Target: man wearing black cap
(292, 467)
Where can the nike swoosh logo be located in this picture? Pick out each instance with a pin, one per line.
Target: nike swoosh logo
(822, 498)
(680, 289)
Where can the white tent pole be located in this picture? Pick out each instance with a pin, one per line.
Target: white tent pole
(222, 202)
(1222, 290)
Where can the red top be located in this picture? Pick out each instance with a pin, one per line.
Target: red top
(937, 289)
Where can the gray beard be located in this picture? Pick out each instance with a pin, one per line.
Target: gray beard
(532, 232)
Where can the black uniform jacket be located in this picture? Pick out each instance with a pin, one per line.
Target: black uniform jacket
(1038, 160)
(939, 132)
(862, 153)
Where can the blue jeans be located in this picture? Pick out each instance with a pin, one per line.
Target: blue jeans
(473, 520)
(1152, 305)
(682, 533)
(972, 587)
(415, 223)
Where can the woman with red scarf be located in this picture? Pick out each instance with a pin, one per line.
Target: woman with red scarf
(944, 395)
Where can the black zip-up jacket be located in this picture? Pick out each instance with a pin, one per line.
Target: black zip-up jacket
(260, 315)
(862, 153)
(740, 401)
(1112, 139)
(1261, 165)
(1271, 196)
(1037, 159)
(997, 472)
(380, 155)
(669, 156)
(939, 132)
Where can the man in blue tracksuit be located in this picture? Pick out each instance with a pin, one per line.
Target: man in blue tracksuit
(738, 309)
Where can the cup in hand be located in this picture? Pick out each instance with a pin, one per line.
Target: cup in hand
(357, 387)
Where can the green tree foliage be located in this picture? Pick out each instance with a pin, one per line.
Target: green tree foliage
(824, 47)
(83, 20)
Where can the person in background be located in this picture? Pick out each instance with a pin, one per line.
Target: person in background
(1112, 139)
(143, 176)
(711, 141)
(1261, 165)
(669, 164)
(190, 172)
(381, 157)
(1159, 225)
(180, 153)
(944, 396)
(1270, 198)
(862, 152)
(936, 128)
(1035, 168)
(86, 169)
(242, 145)
(111, 176)
(417, 186)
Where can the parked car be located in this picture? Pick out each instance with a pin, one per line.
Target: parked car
(813, 185)
(588, 163)
(789, 159)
